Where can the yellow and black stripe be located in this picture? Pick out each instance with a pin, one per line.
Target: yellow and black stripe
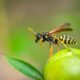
(67, 39)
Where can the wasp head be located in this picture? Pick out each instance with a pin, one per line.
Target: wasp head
(38, 37)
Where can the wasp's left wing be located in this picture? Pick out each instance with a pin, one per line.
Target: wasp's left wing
(61, 28)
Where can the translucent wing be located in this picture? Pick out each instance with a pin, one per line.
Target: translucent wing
(61, 28)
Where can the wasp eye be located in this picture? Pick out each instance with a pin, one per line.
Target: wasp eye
(39, 35)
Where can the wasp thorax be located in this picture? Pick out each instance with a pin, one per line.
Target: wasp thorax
(45, 33)
(38, 37)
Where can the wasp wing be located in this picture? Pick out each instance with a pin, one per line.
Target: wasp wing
(61, 28)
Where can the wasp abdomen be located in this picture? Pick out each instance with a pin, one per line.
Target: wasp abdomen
(67, 39)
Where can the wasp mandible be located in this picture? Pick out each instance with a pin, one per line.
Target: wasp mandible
(55, 39)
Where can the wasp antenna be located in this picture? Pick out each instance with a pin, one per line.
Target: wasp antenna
(67, 24)
(32, 31)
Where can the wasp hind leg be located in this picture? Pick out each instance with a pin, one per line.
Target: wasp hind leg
(62, 43)
(51, 51)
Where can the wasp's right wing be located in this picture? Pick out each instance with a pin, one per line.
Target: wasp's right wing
(61, 28)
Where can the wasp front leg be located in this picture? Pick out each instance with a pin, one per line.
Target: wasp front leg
(51, 50)
(41, 41)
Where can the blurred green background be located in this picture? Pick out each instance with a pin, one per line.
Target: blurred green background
(41, 15)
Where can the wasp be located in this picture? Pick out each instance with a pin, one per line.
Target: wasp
(55, 39)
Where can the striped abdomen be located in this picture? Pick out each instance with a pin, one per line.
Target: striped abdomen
(67, 39)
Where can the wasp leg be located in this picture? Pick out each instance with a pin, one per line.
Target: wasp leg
(51, 51)
(41, 41)
(62, 43)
